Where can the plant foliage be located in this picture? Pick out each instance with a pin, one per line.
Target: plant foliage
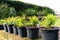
(48, 21)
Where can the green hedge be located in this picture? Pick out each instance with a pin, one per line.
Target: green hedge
(14, 8)
(6, 11)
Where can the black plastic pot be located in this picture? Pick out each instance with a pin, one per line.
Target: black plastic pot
(1, 27)
(10, 28)
(5, 28)
(15, 30)
(22, 31)
(32, 33)
(50, 34)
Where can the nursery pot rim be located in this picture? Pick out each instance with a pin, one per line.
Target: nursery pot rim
(32, 27)
(20, 27)
(52, 28)
(50, 34)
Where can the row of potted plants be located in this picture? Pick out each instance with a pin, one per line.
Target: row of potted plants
(30, 28)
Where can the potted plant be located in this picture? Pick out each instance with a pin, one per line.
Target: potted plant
(15, 26)
(49, 32)
(21, 28)
(1, 24)
(32, 29)
(10, 24)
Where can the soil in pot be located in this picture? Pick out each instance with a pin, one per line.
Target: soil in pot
(10, 28)
(50, 34)
(22, 31)
(15, 30)
(5, 28)
(32, 33)
(1, 27)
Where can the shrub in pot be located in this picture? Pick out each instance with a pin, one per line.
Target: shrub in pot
(32, 29)
(15, 30)
(49, 32)
(10, 24)
(15, 26)
(21, 28)
(1, 24)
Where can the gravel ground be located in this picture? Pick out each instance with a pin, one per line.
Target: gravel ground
(6, 36)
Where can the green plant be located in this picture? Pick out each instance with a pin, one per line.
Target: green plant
(23, 19)
(3, 10)
(46, 11)
(34, 21)
(6, 11)
(30, 12)
(19, 21)
(2, 21)
(12, 12)
(48, 21)
(57, 22)
(19, 13)
(27, 24)
(10, 20)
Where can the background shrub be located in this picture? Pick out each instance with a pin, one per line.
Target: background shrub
(15, 8)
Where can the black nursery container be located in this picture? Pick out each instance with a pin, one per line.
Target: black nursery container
(10, 28)
(50, 34)
(15, 30)
(1, 27)
(22, 31)
(5, 28)
(32, 33)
